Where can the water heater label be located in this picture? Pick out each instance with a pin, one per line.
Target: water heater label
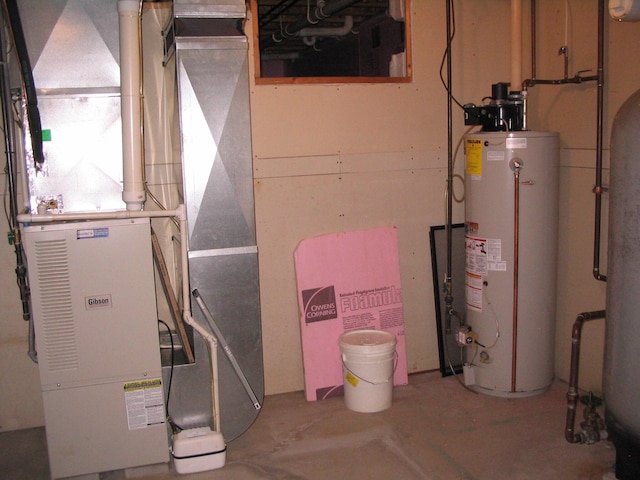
(495, 155)
(474, 158)
(476, 255)
(516, 143)
(484, 255)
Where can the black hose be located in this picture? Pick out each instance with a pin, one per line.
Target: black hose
(10, 152)
(33, 114)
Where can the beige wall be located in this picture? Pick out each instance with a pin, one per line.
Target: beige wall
(342, 157)
(339, 157)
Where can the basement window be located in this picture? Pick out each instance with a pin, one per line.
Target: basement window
(320, 41)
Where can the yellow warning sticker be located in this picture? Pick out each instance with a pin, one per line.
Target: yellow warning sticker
(352, 379)
(474, 157)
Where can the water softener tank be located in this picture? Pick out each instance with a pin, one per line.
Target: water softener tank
(511, 231)
(621, 371)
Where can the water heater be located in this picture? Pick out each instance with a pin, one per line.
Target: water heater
(511, 230)
(94, 311)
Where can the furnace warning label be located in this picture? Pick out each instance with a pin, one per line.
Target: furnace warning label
(474, 158)
(145, 403)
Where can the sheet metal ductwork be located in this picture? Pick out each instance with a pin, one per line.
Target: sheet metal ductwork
(213, 94)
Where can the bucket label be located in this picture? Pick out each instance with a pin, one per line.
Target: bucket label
(352, 379)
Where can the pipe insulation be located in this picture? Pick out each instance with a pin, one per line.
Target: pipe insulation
(516, 45)
(133, 193)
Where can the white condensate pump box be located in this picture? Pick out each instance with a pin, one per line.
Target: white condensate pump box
(197, 450)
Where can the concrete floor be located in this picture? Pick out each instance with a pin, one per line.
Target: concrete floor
(434, 430)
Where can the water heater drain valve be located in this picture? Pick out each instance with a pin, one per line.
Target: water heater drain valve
(465, 336)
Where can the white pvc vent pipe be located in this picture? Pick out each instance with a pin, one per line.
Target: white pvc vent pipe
(328, 31)
(133, 193)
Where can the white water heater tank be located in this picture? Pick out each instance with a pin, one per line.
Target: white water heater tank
(511, 232)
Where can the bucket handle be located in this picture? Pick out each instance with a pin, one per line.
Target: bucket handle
(395, 365)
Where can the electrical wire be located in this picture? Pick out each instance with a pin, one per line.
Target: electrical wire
(175, 428)
(457, 175)
(495, 317)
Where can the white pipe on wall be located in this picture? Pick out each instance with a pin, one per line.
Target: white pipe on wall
(133, 193)
(516, 45)
(116, 214)
(328, 31)
(188, 319)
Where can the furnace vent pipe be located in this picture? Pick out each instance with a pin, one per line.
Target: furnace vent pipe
(133, 193)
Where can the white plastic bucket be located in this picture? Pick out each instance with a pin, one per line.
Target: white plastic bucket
(368, 360)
